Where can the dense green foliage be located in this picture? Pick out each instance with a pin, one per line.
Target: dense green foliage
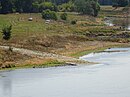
(6, 31)
(47, 5)
(63, 16)
(90, 7)
(73, 22)
(48, 14)
(116, 3)
(120, 3)
(9, 6)
(67, 7)
(105, 2)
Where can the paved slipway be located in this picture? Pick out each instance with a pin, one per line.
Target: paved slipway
(39, 54)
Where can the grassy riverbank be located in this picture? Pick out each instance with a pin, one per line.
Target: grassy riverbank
(89, 34)
(24, 61)
(99, 49)
(45, 64)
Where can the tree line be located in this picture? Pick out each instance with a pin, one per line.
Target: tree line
(26, 6)
(90, 7)
(118, 3)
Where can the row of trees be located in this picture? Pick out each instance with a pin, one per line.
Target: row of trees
(105, 2)
(118, 3)
(8, 6)
(90, 7)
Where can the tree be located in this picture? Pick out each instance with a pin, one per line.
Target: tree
(6, 6)
(47, 5)
(0, 7)
(96, 7)
(28, 6)
(6, 32)
(63, 16)
(105, 2)
(67, 7)
(89, 7)
(48, 14)
(35, 6)
(120, 3)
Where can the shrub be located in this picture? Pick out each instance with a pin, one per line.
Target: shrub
(48, 14)
(63, 16)
(6, 32)
(73, 22)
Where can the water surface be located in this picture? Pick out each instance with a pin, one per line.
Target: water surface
(111, 78)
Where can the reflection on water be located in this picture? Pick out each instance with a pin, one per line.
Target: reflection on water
(108, 79)
(6, 85)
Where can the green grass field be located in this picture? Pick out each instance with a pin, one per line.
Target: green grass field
(23, 27)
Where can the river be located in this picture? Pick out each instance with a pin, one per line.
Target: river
(110, 78)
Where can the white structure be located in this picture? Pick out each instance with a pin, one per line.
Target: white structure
(30, 19)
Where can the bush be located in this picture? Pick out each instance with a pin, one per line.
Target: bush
(73, 22)
(6, 32)
(63, 16)
(48, 14)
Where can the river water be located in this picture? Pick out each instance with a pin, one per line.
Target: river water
(110, 78)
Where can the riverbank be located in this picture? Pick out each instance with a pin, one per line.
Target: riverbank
(32, 60)
(24, 58)
(99, 49)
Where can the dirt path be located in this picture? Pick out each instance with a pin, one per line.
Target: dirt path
(39, 54)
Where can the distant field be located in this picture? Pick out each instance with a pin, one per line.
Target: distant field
(21, 24)
(23, 28)
(112, 11)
